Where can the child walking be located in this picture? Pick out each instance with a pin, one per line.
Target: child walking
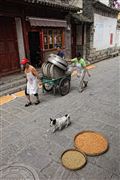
(82, 71)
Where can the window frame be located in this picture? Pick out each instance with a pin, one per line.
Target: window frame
(46, 33)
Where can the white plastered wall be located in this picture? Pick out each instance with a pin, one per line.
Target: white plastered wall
(103, 28)
(118, 38)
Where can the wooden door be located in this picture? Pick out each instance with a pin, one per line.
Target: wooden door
(9, 58)
(73, 39)
(34, 48)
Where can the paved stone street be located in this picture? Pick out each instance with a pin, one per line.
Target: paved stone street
(29, 151)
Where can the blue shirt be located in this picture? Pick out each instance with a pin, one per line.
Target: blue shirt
(61, 54)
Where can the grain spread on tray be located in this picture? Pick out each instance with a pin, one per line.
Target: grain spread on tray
(73, 159)
(91, 143)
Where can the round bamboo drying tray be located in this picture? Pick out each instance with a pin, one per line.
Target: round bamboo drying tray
(73, 159)
(91, 143)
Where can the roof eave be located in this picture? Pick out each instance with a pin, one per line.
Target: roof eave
(102, 6)
(51, 4)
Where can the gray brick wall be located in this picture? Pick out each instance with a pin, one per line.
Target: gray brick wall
(88, 8)
(95, 56)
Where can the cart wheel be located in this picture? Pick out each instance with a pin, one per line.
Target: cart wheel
(47, 87)
(64, 86)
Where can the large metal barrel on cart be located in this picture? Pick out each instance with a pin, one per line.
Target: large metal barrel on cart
(54, 67)
(58, 61)
(54, 75)
(52, 71)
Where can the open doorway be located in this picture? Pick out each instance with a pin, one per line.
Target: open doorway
(34, 46)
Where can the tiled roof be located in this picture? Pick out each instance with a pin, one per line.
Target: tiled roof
(52, 3)
(98, 4)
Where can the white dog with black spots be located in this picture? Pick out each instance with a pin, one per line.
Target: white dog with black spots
(59, 123)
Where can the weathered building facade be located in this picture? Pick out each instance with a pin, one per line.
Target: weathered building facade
(80, 34)
(103, 30)
(116, 5)
(81, 25)
(34, 29)
(101, 36)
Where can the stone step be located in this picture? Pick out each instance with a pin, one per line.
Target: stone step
(14, 77)
(12, 84)
(13, 90)
(11, 78)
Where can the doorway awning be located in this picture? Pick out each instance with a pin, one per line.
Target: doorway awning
(34, 21)
(78, 18)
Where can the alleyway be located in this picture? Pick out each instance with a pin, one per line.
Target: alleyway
(29, 151)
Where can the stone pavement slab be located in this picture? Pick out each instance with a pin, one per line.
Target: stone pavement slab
(26, 137)
(19, 171)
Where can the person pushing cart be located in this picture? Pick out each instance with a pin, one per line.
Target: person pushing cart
(82, 71)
